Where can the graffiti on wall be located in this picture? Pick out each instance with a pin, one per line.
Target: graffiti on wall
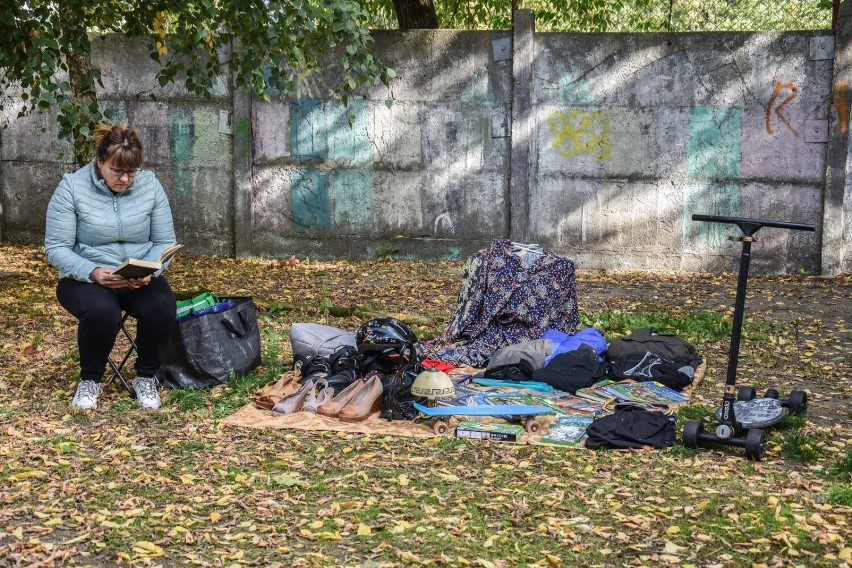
(577, 132)
(774, 106)
(713, 161)
(575, 90)
(319, 132)
(840, 103)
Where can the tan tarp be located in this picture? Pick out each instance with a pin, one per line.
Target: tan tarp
(250, 416)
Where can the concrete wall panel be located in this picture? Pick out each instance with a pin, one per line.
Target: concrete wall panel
(627, 136)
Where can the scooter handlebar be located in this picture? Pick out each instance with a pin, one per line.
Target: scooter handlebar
(754, 224)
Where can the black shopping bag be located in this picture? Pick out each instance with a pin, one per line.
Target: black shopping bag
(208, 349)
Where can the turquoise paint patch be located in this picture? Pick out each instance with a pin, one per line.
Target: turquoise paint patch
(309, 192)
(308, 130)
(574, 90)
(473, 93)
(181, 139)
(714, 142)
(453, 253)
(347, 132)
(181, 135)
(720, 198)
(115, 111)
(351, 196)
(713, 152)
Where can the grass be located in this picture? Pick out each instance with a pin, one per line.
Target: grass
(206, 493)
(840, 495)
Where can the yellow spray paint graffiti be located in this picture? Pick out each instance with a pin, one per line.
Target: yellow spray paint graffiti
(578, 132)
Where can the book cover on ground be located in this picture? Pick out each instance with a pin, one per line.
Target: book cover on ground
(576, 404)
(521, 398)
(489, 431)
(567, 429)
(667, 392)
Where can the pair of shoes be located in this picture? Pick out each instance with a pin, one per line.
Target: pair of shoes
(334, 406)
(364, 401)
(146, 392)
(305, 399)
(345, 367)
(312, 368)
(86, 397)
(326, 393)
(293, 402)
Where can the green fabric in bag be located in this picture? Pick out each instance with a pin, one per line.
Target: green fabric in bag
(199, 302)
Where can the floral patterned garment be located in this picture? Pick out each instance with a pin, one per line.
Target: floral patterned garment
(504, 301)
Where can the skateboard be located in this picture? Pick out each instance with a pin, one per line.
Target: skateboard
(527, 414)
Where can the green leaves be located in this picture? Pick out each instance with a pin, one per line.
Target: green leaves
(278, 44)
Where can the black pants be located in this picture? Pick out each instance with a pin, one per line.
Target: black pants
(98, 310)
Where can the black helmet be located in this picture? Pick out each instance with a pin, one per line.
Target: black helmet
(386, 335)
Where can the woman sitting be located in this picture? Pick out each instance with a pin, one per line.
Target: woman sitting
(99, 216)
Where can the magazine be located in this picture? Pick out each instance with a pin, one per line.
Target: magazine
(576, 404)
(567, 429)
(518, 398)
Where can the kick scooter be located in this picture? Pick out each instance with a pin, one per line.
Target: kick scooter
(741, 410)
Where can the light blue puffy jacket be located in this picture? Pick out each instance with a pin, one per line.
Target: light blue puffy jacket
(88, 226)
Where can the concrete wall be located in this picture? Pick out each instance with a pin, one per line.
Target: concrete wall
(187, 142)
(635, 133)
(600, 146)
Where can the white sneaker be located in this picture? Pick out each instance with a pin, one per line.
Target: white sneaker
(86, 397)
(146, 392)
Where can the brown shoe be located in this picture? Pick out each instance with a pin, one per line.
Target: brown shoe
(333, 407)
(366, 401)
(293, 403)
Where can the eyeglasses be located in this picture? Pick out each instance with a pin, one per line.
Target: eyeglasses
(120, 173)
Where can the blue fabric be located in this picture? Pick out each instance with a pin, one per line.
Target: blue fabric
(225, 304)
(88, 226)
(561, 342)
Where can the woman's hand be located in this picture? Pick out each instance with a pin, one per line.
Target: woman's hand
(107, 279)
(136, 283)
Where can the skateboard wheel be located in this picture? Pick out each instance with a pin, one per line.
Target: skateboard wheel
(755, 444)
(532, 426)
(440, 427)
(691, 430)
(798, 402)
(772, 393)
(746, 393)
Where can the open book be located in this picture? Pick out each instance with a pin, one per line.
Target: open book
(135, 268)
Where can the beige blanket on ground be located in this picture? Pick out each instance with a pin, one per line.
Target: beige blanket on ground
(249, 416)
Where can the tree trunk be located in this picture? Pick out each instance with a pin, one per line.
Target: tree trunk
(416, 14)
(83, 95)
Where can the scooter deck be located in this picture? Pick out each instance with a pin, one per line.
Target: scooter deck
(496, 410)
(757, 412)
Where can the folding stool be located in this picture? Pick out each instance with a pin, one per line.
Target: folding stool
(116, 368)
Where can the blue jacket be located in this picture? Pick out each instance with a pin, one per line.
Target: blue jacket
(88, 226)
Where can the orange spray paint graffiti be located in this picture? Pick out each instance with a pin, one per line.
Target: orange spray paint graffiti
(840, 102)
(794, 92)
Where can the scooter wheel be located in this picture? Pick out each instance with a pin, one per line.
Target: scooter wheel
(755, 444)
(772, 393)
(798, 402)
(746, 393)
(691, 431)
